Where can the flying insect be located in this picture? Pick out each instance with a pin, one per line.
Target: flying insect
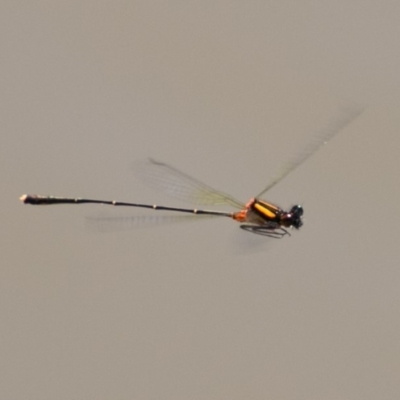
(257, 216)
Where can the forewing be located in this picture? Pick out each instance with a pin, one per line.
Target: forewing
(338, 123)
(181, 186)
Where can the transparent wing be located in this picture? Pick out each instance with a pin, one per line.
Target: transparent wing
(181, 186)
(322, 137)
(127, 223)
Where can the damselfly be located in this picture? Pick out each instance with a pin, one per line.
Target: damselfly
(256, 216)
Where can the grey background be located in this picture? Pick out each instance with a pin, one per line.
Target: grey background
(226, 91)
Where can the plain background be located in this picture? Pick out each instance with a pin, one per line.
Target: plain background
(226, 91)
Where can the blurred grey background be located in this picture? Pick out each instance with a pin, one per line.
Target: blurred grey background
(226, 91)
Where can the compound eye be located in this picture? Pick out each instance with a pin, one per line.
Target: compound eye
(299, 224)
(297, 210)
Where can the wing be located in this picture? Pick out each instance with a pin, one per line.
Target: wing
(181, 186)
(331, 129)
(127, 223)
